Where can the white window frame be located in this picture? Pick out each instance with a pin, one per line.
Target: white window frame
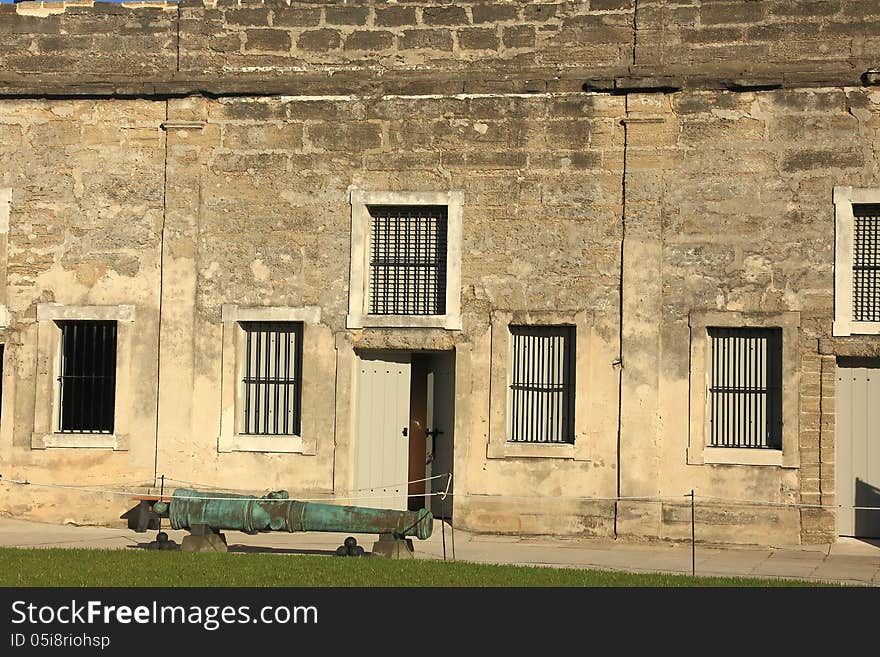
(358, 291)
(47, 406)
(844, 231)
(231, 438)
(587, 404)
(699, 450)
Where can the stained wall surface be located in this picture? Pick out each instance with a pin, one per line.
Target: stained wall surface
(624, 165)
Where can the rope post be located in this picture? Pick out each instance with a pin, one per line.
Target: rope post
(449, 514)
(452, 528)
(443, 532)
(161, 495)
(693, 537)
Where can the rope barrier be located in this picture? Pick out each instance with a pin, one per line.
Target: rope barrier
(84, 489)
(442, 495)
(354, 490)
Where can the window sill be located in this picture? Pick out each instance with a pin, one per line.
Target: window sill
(534, 450)
(847, 328)
(80, 441)
(287, 444)
(742, 456)
(450, 322)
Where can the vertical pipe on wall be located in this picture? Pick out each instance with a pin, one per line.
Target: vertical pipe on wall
(161, 281)
(620, 306)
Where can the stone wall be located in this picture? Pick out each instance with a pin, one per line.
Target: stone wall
(680, 154)
(369, 45)
(84, 229)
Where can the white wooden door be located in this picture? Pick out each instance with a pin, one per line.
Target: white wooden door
(381, 428)
(858, 447)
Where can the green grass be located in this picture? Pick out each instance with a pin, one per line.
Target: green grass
(109, 568)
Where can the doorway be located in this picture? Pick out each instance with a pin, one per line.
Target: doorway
(404, 423)
(858, 447)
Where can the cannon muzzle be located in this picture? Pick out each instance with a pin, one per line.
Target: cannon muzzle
(275, 512)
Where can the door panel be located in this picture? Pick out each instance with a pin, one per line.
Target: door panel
(418, 412)
(858, 447)
(381, 430)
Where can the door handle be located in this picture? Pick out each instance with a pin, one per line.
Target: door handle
(405, 432)
(434, 433)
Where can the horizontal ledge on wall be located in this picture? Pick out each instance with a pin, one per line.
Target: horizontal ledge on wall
(182, 125)
(55, 311)
(854, 346)
(274, 444)
(235, 313)
(754, 84)
(361, 82)
(743, 456)
(525, 450)
(115, 442)
(643, 119)
(647, 84)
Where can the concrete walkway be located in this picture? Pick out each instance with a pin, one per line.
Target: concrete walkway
(848, 561)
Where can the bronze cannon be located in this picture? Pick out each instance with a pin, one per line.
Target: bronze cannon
(205, 515)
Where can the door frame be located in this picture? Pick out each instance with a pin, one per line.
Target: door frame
(418, 365)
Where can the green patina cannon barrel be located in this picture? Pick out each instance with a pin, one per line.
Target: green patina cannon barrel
(275, 512)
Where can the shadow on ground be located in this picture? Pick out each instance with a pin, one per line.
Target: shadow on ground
(250, 549)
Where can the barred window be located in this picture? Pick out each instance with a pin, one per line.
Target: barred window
(866, 262)
(87, 383)
(272, 381)
(745, 387)
(408, 260)
(541, 395)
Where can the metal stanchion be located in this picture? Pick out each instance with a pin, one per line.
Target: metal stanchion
(693, 537)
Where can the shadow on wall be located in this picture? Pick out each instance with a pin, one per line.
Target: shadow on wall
(867, 519)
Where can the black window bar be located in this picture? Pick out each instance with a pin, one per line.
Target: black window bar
(88, 376)
(408, 260)
(866, 262)
(542, 384)
(745, 388)
(272, 378)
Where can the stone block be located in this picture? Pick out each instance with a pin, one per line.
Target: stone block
(426, 39)
(734, 12)
(809, 159)
(210, 542)
(288, 136)
(611, 5)
(395, 16)
(30, 25)
(452, 15)
(295, 17)
(369, 40)
(250, 16)
(864, 27)
(355, 137)
(518, 36)
(335, 15)
(857, 8)
(319, 40)
(490, 13)
(477, 39)
(533, 13)
(268, 39)
(393, 548)
(711, 35)
(806, 8)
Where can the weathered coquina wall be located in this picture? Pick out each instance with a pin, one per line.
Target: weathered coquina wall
(632, 164)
